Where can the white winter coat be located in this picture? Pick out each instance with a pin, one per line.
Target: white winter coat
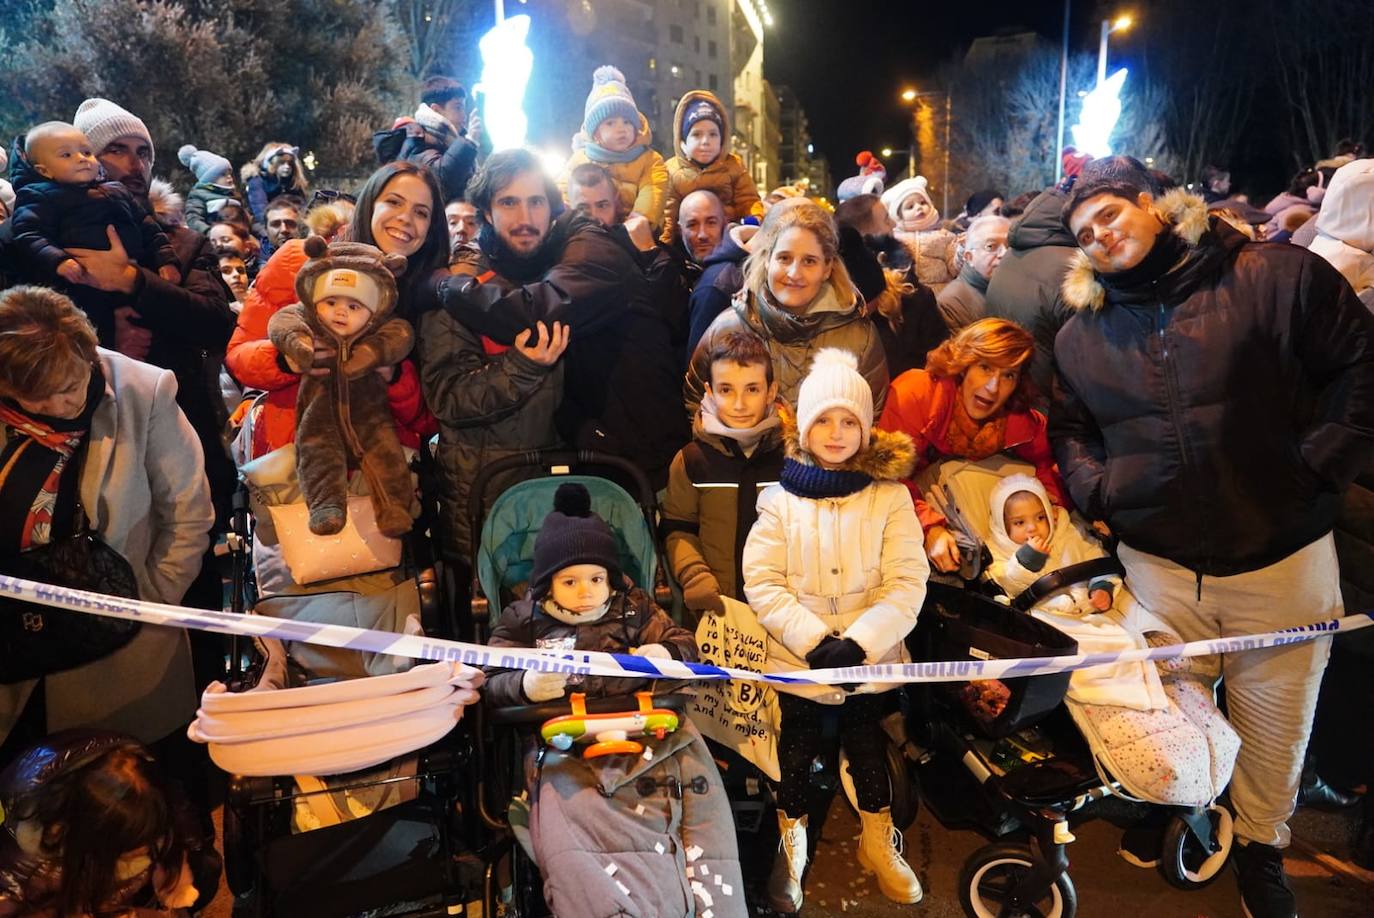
(1345, 224)
(853, 567)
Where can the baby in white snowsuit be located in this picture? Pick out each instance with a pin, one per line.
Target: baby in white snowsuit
(1163, 737)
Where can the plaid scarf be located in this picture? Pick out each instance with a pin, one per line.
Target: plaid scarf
(36, 453)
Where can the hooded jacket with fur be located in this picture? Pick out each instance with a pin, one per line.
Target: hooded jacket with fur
(342, 417)
(849, 567)
(1213, 412)
(726, 176)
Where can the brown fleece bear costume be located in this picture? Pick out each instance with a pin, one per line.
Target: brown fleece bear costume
(343, 419)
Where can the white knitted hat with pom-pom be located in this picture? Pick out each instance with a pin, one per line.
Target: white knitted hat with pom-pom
(834, 382)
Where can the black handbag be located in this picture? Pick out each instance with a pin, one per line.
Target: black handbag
(38, 640)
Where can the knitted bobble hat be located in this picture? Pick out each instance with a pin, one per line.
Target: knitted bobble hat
(834, 382)
(207, 166)
(572, 534)
(103, 121)
(609, 98)
(702, 110)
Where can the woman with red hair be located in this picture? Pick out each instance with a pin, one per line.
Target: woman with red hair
(971, 401)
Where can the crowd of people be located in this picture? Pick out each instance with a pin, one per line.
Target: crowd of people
(1192, 374)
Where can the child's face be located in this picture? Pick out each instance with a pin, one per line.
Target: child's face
(915, 208)
(702, 145)
(225, 179)
(64, 155)
(742, 393)
(834, 437)
(616, 134)
(581, 587)
(1025, 518)
(235, 274)
(343, 315)
(283, 165)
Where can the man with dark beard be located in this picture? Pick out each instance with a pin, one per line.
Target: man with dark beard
(549, 266)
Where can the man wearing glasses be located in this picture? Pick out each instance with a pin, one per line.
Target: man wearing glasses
(964, 299)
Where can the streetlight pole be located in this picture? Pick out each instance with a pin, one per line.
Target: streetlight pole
(1063, 89)
(948, 105)
(911, 95)
(1108, 27)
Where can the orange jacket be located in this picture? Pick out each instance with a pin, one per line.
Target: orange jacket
(921, 405)
(254, 362)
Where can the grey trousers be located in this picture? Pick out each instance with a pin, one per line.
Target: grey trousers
(1271, 694)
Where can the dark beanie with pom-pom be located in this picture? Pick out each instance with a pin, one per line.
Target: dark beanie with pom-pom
(572, 534)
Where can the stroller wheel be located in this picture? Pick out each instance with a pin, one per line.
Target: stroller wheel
(1184, 862)
(988, 877)
(906, 796)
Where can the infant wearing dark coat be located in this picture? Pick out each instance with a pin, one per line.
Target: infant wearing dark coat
(342, 338)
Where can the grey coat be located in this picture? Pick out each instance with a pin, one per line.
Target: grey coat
(489, 406)
(143, 486)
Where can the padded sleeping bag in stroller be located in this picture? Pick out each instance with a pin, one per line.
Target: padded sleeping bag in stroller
(1159, 735)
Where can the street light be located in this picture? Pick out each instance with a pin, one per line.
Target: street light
(887, 151)
(911, 95)
(1119, 24)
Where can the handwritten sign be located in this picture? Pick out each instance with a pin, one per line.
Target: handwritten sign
(738, 714)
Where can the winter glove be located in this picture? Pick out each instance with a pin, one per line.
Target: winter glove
(299, 353)
(653, 651)
(833, 652)
(1031, 558)
(701, 592)
(543, 686)
(359, 363)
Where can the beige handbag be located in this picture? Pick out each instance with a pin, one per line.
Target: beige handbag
(360, 548)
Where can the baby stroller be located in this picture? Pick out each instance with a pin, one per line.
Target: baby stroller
(348, 791)
(1030, 772)
(639, 825)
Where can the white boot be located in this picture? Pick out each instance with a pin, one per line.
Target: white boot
(785, 882)
(880, 850)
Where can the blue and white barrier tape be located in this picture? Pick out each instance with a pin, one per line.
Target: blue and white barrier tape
(421, 647)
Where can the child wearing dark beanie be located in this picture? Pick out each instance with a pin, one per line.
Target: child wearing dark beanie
(579, 599)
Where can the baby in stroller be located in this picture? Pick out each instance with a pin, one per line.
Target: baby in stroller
(1156, 728)
(657, 827)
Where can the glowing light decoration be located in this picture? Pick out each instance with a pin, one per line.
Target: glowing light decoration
(1101, 109)
(506, 68)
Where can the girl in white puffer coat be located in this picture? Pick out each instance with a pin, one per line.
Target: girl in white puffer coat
(835, 571)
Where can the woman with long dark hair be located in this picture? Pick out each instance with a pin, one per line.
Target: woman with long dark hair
(400, 211)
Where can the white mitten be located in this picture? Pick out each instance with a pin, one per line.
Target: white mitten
(543, 686)
(655, 651)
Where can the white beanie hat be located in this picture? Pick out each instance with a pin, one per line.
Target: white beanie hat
(350, 283)
(892, 199)
(834, 382)
(102, 121)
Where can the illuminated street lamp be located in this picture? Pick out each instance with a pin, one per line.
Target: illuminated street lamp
(911, 95)
(1119, 24)
(908, 95)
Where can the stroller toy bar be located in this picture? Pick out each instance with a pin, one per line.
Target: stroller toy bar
(610, 732)
(421, 647)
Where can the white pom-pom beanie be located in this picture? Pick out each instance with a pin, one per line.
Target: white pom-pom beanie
(103, 121)
(834, 382)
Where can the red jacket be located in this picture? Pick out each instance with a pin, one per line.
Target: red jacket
(921, 405)
(253, 361)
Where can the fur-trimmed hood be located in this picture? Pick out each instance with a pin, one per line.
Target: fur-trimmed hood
(1186, 213)
(889, 456)
(357, 256)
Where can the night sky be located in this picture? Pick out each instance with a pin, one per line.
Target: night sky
(816, 47)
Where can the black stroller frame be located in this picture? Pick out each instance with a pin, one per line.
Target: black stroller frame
(413, 858)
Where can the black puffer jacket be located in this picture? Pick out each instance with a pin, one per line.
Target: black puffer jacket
(1025, 286)
(452, 165)
(620, 369)
(1214, 414)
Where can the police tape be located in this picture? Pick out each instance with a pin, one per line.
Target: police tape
(595, 663)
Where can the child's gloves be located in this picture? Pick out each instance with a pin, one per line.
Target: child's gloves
(299, 353)
(701, 593)
(543, 686)
(653, 651)
(833, 652)
(361, 362)
(1031, 556)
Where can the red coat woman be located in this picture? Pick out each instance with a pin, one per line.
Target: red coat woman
(970, 402)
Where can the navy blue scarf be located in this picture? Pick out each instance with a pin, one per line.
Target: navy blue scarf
(814, 482)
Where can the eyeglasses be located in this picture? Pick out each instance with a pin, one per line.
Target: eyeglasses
(993, 248)
(329, 196)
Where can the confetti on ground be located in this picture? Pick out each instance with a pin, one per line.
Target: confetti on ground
(640, 810)
(648, 754)
(702, 894)
(707, 914)
(658, 846)
(717, 879)
(625, 890)
(691, 872)
(610, 869)
(694, 852)
(727, 889)
(705, 871)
